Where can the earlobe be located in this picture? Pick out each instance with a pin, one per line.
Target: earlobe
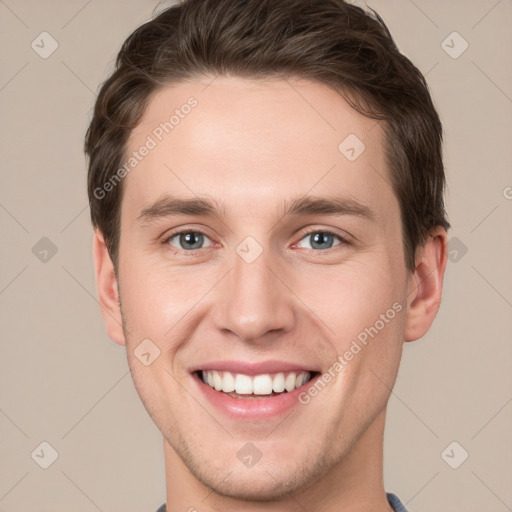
(107, 286)
(426, 285)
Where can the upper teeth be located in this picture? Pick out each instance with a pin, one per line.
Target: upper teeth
(258, 384)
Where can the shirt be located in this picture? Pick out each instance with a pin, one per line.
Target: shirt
(393, 500)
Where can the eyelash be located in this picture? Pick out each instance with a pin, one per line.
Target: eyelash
(343, 241)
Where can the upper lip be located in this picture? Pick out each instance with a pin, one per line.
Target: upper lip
(250, 368)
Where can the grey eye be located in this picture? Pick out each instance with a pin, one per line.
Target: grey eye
(188, 240)
(321, 240)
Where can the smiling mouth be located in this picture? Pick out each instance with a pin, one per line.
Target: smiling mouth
(239, 385)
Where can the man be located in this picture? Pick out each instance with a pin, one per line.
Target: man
(266, 186)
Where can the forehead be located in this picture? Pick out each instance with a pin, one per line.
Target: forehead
(252, 143)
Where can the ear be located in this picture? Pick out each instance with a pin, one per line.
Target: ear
(426, 284)
(108, 291)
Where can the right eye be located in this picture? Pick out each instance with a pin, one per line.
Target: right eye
(187, 240)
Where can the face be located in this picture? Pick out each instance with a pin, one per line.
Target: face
(261, 251)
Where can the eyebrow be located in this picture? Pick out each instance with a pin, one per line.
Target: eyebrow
(168, 206)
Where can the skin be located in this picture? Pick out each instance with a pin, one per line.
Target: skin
(252, 144)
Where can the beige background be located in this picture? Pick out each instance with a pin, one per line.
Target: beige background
(64, 382)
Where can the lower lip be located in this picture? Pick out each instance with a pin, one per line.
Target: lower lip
(253, 408)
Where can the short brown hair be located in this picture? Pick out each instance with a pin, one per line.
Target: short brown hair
(329, 41)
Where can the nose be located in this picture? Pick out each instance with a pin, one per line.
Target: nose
(254, 300)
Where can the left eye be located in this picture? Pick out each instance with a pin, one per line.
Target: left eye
(321, 239)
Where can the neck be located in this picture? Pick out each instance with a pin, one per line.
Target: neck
(354, 484)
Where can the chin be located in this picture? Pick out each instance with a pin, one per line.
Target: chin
(254, 487)
(270, 481)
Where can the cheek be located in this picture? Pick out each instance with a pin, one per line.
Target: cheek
(149, 301)
(159, 302)
(348, 298)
